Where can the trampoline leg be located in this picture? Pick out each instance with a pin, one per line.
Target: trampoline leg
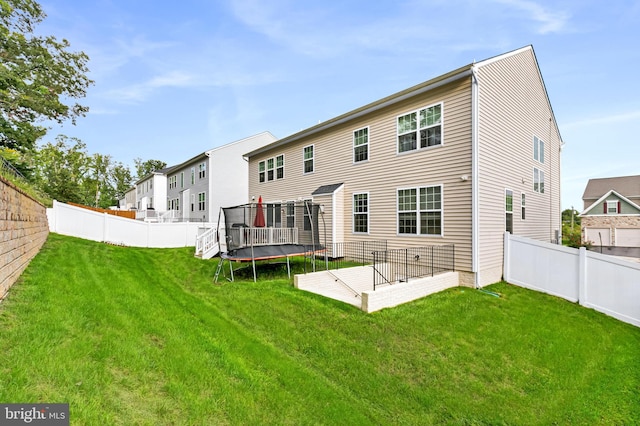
(231, 269)
(253, 261)
(288, 268)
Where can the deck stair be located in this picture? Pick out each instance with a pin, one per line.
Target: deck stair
(207, 244)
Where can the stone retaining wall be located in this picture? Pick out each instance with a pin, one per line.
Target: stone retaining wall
(23, 231)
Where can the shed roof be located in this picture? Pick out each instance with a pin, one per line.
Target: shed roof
(327, 189)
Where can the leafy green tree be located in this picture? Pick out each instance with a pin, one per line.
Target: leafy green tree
(61, 169)
(36, 74)
(570, 217)
(122, 180)
(143, 168)
(20, 161)
(98, 190)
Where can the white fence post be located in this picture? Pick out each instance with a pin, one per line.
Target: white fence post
(582, 276)
(506, 272)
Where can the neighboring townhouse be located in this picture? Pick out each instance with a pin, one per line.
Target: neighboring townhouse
(457, 159)
(129, 200)
(611, 215)
(198, 187)
(151, 192)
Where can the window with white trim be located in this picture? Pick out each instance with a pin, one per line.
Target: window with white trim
(280, 166)
(612, 207)
(538, 149)
(522, 206)
(361, 145)
(193, 202)
(274, 215)
(361, 213)
(420, 129)
(173, 182)
(202, 170)
(420, 211)
(508, 209)
(173, 204)
(308, 159)
(262, 171)
(271, 169)
(193, 175)
(181, 179)
(201, 201)
(291, 214)
(306, 215)
(538, 180)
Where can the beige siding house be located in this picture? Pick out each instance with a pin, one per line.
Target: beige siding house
(458, 159)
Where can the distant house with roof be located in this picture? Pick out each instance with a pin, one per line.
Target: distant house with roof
(194, 190)
(611, 215)
(151, 191)
(218, 177)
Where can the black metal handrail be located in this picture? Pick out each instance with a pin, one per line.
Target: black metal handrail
(399, 265)
(340, 255)
(7, 166)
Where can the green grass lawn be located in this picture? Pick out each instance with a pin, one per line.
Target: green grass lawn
(142, 336)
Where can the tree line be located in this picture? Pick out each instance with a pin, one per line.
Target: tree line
(40, 80)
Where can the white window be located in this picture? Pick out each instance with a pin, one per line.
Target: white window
(173, 182)
(280, 167)
(538, 149)
(361, 145)
(270, 169)
(308, 159)
(193, 175)
(261, 171)
(361, 213)
(612, 207)
(201, 201)
(538, 180)
(522, 206)
(508, 208)
(274, 215)
(420, 129)
(291, 214)
(420, 211)
(181, 179)
(202, 170)
(306, 215)
(193, 202)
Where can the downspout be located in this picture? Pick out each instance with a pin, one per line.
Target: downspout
(474, 177)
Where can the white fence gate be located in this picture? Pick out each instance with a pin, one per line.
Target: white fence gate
(604, 283)
(82, 223)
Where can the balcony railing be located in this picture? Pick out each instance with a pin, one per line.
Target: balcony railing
(250, 236)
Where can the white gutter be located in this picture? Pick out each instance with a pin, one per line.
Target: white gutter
(475, 261)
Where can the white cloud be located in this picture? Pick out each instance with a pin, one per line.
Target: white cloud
(607, 119)
(550, 21)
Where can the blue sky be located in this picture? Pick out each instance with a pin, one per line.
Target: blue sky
(173, 79)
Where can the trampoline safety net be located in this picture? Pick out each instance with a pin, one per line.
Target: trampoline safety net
(281, 228)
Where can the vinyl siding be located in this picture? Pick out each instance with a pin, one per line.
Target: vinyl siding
(386, 171)
(513, 108)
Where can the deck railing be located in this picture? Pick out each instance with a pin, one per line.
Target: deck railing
(399, 265)
(340, 255)
(251, 236)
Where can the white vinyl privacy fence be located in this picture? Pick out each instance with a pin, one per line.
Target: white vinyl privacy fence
(604, 283)
(82, 223)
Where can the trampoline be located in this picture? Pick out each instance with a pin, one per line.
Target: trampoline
(257, 231)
